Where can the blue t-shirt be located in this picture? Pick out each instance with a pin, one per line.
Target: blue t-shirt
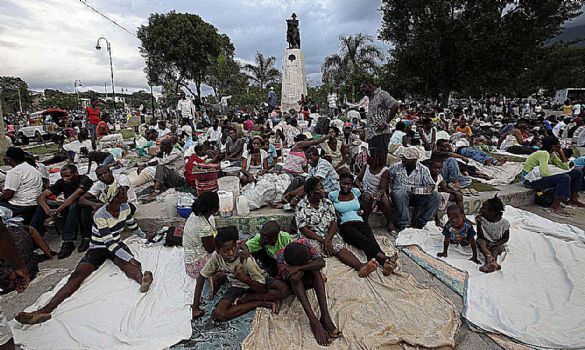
(461, 235)
(348, 209)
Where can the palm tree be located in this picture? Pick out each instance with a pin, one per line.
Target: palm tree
(357, 56)
(263, 71)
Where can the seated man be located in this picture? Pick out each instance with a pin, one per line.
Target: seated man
(412, 185)
(319, 168)
(243, 275)
(73, 149)
(235, 150)
(101, 193)
(22, 185)
(300, 265)
(105, 244)
(164, 169)
(266, 244)
(72, 185)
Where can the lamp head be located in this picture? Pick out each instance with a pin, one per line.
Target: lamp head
(98, 47)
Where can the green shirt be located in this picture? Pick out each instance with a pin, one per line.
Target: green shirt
(540, 159)
(283, 240)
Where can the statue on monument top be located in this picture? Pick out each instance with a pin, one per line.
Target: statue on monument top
(293, 35)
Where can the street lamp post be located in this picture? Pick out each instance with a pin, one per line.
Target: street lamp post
(75, 85)
(109, 48)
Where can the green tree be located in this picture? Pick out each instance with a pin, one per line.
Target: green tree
(224, 74)
(262, 72)
(179, 48)
(358, 57)
(469, 46)
(10, 87)
(59, 99)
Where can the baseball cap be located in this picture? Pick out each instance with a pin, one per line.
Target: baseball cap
(410, 153)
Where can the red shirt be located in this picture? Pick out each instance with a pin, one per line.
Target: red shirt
(248, 124)
(94, 115)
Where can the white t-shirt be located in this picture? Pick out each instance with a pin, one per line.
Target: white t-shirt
(26, 182)
(196, 227)
(76, 146)
(162, 132)
(104, 192)
(558, 128)
(576, 109)
(186, 108)
(213, 135)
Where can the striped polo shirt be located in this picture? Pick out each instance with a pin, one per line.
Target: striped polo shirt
(106, 230)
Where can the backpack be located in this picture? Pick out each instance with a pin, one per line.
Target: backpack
(545, 198)
(173, 236)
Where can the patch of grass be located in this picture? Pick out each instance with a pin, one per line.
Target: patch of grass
(482, 187)
(42, 149)
(127, 133)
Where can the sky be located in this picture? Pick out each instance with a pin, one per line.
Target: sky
(51, 43)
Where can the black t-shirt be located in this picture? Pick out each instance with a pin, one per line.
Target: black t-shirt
(67, 189)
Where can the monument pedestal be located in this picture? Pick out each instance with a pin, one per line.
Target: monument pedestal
(294, 79)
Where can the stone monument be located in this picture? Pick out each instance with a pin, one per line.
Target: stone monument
(294, 78)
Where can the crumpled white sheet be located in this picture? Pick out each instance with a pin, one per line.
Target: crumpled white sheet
(538, 297)
(501, 174)
(268, 188)
(109, 312)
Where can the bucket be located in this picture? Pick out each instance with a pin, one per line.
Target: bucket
(226, 203)
(229, 184)
(243, 206)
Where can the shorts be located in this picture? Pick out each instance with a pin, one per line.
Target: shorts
(194, 269)
(233, 293)
(5, 332)
(98, 256)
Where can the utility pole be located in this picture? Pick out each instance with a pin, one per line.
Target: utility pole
(19, 98)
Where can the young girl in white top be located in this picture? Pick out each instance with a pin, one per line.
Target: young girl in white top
(493, 232)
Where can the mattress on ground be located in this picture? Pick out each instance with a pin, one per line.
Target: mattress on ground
(109, 312)
(377, 312)
(538, 297)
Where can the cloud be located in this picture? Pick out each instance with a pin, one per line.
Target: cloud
(51, 43)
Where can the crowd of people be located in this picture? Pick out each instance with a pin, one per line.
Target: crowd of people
(407, 161)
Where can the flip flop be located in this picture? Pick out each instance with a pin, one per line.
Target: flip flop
(336, 334)
(465, 192)
(473, 191)
(561, 214)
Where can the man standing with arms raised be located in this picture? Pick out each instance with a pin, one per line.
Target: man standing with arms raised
(381, 109)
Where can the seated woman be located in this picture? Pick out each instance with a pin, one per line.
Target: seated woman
(254, 161)
(316, 220)
(335, 151)
(354, 230)
(536, 175)
(373, 180)
(428, 134)
(518, 140)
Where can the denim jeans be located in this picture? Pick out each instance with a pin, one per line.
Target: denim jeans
(427, 205)
(72, 226)
(451, 173)
(109, 160)
(475, 154)
(92, 131)
(564, 184)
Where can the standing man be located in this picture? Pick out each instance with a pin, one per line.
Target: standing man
(19, 277)
(271, 99)
(381, 109)
(93, 113)
(186, 109)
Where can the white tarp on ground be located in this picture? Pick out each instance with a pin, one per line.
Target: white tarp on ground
(538, 297)
(109, 312)
(500, 174)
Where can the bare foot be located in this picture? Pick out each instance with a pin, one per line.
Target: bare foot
(274, 306)
(487, 268)
(368, 268)
(390, 265)
(330, 328)
(438, 223)
(32, 317)
(146, 282)
(560, 212)
(321, 335)
(501, 162)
